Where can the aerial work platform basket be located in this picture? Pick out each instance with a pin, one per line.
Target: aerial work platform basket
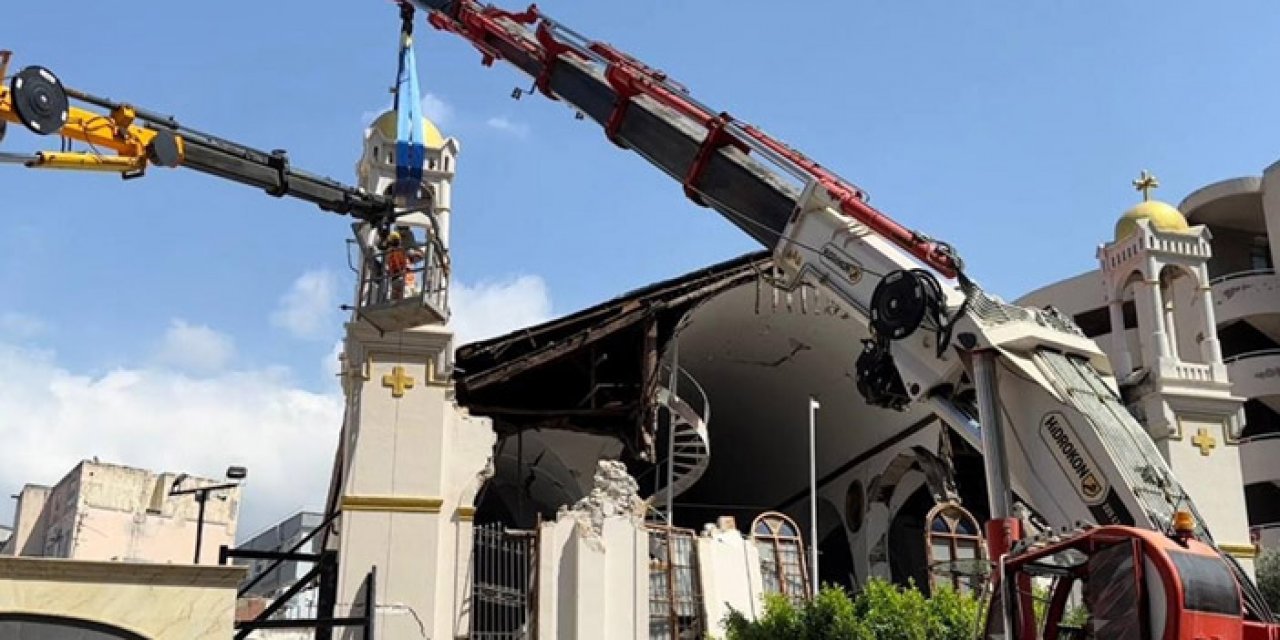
(406, 284)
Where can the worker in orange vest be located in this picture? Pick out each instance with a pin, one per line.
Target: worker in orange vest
(397, 264)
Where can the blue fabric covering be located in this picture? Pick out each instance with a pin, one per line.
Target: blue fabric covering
(411, 152)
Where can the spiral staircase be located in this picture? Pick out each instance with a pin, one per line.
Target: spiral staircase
(687, 453)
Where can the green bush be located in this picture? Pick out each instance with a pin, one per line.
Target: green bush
(881, 611)
(1267, 569)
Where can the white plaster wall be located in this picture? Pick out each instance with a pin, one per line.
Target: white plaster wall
(54, 535)
(1073, 295)
(27, 512)
(1213, 481)
(141, 537)
(591, 587)
(729, 567)
(1260, 460)
(625, 586)
(554, 580)
(1271, 208)
(418, 448)
(1188, 319)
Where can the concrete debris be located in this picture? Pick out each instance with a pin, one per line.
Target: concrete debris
(615, 494)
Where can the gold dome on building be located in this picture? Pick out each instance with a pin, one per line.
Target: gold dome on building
(386, 125)
(1162, 216)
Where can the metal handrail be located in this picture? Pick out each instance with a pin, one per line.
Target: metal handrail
(1273, 351)
(431, 274)
(703, 411)
(1241, 274)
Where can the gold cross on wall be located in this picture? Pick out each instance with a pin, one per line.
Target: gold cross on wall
(1145, 183)
(1205, 441)
(397, 381)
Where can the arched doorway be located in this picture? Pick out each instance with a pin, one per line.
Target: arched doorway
(835, 560)
(907, 561)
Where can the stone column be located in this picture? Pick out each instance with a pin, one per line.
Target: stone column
(1170, 321)
(412, 464)
(1151, 323)
(1210, 348)
(1123, 362)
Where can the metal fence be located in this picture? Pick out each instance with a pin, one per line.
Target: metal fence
(504, 584)
(675, 588)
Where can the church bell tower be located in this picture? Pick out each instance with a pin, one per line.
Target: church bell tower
(1167, 358)
(410, 461)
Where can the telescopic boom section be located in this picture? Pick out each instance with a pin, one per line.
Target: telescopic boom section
(126, 140)
(640, 108)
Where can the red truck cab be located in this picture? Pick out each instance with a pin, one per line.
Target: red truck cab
(1115, 582)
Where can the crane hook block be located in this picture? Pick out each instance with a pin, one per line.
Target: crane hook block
(39, 100)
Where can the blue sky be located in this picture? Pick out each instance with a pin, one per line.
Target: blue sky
(1011, 129)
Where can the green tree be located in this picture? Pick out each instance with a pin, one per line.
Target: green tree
(953, 615)
(781, 619)
(1268, 572)
(881, 611)
(892, 612)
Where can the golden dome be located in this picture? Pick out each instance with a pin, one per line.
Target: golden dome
(1162, 216)
(386, 125)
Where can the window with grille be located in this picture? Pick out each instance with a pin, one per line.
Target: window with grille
(954, 547)
(781, 549)
(675, 588)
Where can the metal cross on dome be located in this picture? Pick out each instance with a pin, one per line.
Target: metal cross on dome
(1145, 183)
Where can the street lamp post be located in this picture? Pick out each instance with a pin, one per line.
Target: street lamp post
(813, 492)
(201, 494)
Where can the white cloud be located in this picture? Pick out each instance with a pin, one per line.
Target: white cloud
(309, 308)
(506, 125)
(436, 109)
(21, 325)
(154, 418)
(195, 348)
(490, 309)
(433, 107)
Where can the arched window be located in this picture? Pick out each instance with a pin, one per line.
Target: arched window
(781, 550)
(954, 548)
